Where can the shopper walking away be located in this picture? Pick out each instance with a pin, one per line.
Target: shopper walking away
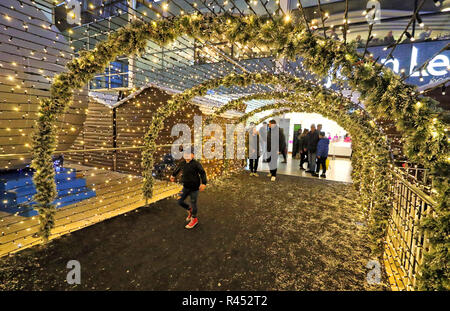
(302, 146)
(284, 150)
(312, 139)
(296, 147)
(322, 155)
(282, 144)
(273, 152)
(253, 150)
(193, 180)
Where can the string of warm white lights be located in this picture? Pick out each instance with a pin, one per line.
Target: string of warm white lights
(345, 21)
(173, 68)
(405, 31)
(182, 75)
(32, 81)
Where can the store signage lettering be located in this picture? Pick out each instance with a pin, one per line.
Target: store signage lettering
(438, 66)
(73, 12)
(407, 58)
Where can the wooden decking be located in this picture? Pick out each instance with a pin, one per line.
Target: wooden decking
(116, 194)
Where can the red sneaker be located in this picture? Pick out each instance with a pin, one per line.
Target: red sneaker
(192, 224)
(188, 218)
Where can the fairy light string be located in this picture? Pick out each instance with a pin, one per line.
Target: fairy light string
(84, 67)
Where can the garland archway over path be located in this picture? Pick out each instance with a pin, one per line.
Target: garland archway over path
(385, 96)
(307, 90)
(372, 160)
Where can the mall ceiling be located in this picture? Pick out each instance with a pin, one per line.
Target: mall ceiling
(187, 63)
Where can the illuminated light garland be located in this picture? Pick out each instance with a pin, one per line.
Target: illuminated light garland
(330, 105)
(384, 94)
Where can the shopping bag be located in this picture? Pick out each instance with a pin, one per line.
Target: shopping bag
(327, 163)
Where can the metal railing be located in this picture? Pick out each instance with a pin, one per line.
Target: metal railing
(405, 242)
(417, 176)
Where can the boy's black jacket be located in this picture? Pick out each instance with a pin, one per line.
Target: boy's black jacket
(192, 173)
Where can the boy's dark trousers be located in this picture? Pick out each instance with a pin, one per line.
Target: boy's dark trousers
(184, 193)
(283, 152)
(322, 161)
(253, 164)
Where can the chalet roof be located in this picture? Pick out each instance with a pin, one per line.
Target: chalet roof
(206, 105)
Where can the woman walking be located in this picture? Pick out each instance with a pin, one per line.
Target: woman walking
(296, 147)
(253, 151)
(302, 148)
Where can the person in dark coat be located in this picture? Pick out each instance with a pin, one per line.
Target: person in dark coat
(194, 180)
(282, 143)
(322, 154)
(311, 147)
(253, 150)
(302, 146)
(273, 154)
(296, 147)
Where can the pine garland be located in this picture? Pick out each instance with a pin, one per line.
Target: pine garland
(385, 96)
(332, 106)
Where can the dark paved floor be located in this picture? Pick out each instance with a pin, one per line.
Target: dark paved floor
(294, 234)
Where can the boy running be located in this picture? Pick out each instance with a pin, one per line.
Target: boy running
(193, 180)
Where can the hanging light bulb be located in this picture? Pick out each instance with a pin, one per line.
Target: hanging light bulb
(410, 37)
(287, 18)
(419, 20)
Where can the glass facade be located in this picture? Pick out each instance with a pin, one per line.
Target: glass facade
(188, 62)
(114, 77)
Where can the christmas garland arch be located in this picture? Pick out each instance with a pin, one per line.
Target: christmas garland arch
(369, 145)
(385, 96)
